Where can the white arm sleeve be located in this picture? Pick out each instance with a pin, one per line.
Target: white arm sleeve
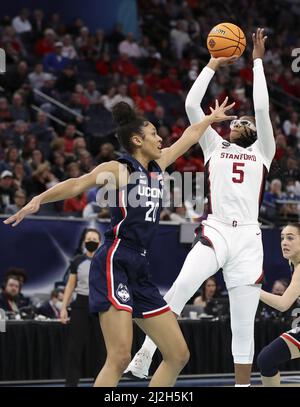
(210, 138)
(265, 139)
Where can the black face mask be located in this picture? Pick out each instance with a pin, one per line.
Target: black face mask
(91, 246)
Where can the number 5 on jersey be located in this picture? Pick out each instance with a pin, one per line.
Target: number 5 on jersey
(236, 169)
(151, 213)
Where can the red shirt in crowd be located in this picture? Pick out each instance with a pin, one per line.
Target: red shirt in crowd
(43, 47)
(76, 204)
(191, 164)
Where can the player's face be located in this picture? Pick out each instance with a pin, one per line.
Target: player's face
(238, 127)
(152, 142)
(290, 242)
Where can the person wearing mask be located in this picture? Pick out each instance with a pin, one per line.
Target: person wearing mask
(51, 308)
(80, 321)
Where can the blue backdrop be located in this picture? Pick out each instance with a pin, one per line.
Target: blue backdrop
(44, 248)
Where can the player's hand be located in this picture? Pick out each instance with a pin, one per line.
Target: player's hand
(218, 113)
(64, 316)
(259, 40)
(215, 63)
(32, 207)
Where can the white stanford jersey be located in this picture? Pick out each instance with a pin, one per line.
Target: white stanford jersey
(235, 175)
(235, 180)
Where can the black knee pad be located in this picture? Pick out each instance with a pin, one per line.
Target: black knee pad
(271, 356)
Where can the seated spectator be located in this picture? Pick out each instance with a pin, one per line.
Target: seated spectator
(58, 167)
(41, 129)
(281, 145)
(116, 37)
(153, 79)
(125, 67)
(54, 62)
(11, 158)
(66, 80)
(9, 294)
(13, 47)
(36, 159)
(291, 170)
(5, 113)
(7, 190)
(17, 77)
(269, 208)
(38, 23)
(51, 308)
(79, 146)
(82, 41)
(15, 135)
(75, 206)
(179, 38)
(171, 83)
(188, 163)
(21, 22)
(45, 45)
(42, 179)
(208, 291)
(84, 101)
(92, 94)
(145, 101)
(104, 64)
(106, 153)
(158, 117)
(85, 162)
(19, 202)
(38, 77)
(18, 110)
(108, 99)
(68, 50)
(122, 96)
(291, 128)
(279, 286)
(130, 47)
(73, 170)
(69, 136)
(21, 275)
(21, 173)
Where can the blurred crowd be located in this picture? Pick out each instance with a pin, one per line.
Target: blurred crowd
(62, 81)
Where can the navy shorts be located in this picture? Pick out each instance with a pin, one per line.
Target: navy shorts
(119, 276)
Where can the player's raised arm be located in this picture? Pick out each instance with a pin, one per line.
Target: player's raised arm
(103, 173)
(194, 132)
(265, 137)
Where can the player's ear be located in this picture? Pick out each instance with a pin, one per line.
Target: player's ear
(137, 140)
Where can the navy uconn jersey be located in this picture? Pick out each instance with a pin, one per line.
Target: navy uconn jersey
(136, 217)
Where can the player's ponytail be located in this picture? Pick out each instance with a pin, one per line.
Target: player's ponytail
(129, 122)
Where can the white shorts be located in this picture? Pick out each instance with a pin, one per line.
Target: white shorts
(238, 249)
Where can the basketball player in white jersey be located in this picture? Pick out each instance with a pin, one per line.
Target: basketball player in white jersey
(231, 236)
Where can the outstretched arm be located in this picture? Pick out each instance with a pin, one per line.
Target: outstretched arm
(193, 101)
(286, 300)
(265, 137)
(112, 171)
(192, 134)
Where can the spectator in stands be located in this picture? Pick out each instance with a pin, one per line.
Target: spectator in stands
(69, 136)
(15, 78)
(42, 179)
(7, 190)
(291, 128)
(51, 308)
(92, 94)
(75, 206)
(108, 99)
(21, 22)
(11, 158)
(85, 162)
(125, 67)
(130, 47)
(36, 159)
(15, 136)
(106, 153)
(82, 41)
(188, 163)
(45, 45)
(21, 173)
(79, 146)
(179, 39)
(279, 286)
(158, 117)
(54, 62)
(116, 37)
(13, 47)
(68, 49)
(38, 77)
(18, 110)
(270, 208)
(38, 23)
(122, 96)
(5, 114)
(104, 64)
(9, 294)
(19, 202)
(66, 80)
(208, 291)
(291, 169)
(21, 275)
(58, 168)
(171, 83)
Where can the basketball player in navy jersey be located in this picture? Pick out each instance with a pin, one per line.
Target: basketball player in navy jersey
(230, 238)
(287, 346)
(120, 287)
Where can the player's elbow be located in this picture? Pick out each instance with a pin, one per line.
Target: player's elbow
(282, 307)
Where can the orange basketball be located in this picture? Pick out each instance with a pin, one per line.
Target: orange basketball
(226, 40)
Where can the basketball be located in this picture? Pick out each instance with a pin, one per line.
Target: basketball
(226, 40)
